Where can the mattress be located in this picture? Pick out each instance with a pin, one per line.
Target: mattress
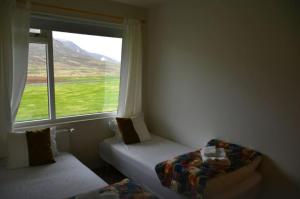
(65, 178)
(138, 161)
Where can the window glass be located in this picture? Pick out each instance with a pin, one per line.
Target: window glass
(86, 73)
(34, 103)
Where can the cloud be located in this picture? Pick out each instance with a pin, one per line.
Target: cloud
(108, 46)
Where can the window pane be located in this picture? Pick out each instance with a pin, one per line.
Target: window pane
(87, 73)
(34, 103)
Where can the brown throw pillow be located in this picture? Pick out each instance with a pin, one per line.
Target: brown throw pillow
(127, 130)
(39, 147)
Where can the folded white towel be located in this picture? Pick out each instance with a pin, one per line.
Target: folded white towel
(209, 151)
(208, 155)
(220, 153)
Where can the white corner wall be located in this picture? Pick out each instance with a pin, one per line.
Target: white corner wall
(229, 70)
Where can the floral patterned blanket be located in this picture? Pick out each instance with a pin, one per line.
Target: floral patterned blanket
(188, 174)
(126, 189)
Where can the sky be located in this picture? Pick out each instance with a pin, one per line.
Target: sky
(108, 46)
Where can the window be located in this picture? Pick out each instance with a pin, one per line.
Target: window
(70, 75)
(34, 103)
(86, 82)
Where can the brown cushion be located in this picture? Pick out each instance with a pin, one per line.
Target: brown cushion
(127, 130)
(39, 147)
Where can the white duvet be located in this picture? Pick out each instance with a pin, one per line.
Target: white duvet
(65, 178)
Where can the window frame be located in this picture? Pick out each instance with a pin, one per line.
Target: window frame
(45, 37)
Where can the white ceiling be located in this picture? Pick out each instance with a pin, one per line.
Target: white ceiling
(142, 3)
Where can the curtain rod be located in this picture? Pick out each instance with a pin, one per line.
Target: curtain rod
(117, 19)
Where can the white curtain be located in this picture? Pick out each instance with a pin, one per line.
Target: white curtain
(20, 54)
(14, 24)
(130, 98)
(6, 62)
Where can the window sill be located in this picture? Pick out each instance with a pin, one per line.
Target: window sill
(54, 122)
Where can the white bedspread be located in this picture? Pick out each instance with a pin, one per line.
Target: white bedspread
(148, 153)
(65, 178)
(137, 161)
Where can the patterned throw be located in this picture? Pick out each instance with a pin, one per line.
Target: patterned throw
(126, 189)
(188, 175)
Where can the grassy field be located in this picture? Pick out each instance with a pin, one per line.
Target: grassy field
(73, 96)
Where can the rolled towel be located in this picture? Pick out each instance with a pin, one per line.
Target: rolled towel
(220, 153)
(209, 151)
(218, 158)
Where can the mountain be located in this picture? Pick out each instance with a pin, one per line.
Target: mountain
(76, 49)
(70, 60)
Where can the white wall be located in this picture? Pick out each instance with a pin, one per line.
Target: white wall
(85, 139)
(229, 70)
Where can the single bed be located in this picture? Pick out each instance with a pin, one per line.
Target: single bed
(65, 178)
(138, 161)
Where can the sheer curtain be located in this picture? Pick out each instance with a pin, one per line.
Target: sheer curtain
(20, 54)
(130, 98)
(14, 24)
(6, 61)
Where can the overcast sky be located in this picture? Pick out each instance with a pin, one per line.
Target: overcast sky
(108, 46)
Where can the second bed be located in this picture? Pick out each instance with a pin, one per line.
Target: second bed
(138, 161)
(65, 178)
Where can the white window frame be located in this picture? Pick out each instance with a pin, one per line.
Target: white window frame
(46, 38)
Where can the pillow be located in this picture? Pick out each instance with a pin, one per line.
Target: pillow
(127, 130)
(17, 151)
(133, 130)
(39, 147)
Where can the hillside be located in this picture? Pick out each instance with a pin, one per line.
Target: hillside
(70, 61)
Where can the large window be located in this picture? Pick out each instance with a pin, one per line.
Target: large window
(70, 75)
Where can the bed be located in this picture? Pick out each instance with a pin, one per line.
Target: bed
(65, 178)
(138, 161)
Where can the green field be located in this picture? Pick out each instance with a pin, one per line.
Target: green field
(73, 96)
